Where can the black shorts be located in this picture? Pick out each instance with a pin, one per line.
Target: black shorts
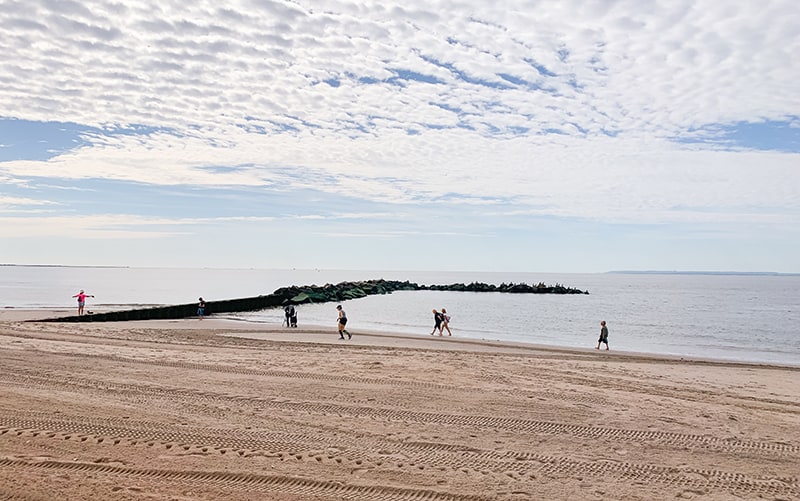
(343, 320)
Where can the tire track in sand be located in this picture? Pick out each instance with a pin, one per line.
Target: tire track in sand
(249, 481)
(515, 465)
(518, 425)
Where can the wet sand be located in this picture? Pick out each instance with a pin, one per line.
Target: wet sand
(218, 409)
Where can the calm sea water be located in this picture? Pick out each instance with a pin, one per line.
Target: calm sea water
(745, 318)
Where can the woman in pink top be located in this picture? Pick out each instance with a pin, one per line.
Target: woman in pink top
(81, 300)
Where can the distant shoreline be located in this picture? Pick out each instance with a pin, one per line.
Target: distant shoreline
(715, 273)
(61, 266)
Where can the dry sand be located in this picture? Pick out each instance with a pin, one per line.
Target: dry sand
(211, 410)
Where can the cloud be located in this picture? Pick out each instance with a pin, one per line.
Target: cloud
(664, 67)
(111, 226)
(587, 110)
(19, 204)
(603, 178)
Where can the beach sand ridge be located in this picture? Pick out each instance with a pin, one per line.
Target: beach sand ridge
(219, 409)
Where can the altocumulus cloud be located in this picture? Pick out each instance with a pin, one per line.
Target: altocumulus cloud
(619, 111)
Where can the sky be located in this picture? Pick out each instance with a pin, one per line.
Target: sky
(465, 135)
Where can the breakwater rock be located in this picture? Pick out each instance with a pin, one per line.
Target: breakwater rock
(309, 294)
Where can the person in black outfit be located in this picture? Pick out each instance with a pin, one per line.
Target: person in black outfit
(289, 312)
(341, 322)
(437, 318)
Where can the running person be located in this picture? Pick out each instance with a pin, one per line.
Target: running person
(341, 322)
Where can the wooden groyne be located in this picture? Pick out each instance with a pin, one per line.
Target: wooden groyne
(307, 294)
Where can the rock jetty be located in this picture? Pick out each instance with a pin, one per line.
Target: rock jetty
(309, 294)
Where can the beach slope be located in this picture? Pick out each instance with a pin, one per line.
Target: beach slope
(214, 409)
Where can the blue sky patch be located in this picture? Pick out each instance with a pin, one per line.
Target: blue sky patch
(406, 75)
(252, 128)
(770, 135)
(435, 126)
(542, 69)
(531, 85)
(283, 127)
(41, 141)
(28, 140)
(447, 107)
(102, 196)
(514, 80)
(222, 169)
(463, 76)
(368, 80)
(519, 131)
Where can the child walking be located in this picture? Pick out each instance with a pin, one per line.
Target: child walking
(603, 335)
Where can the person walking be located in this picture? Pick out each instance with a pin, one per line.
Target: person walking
(201, 308)
(288, 311)
(81, 301)
(603, 335)
(342, 322)
(437, 319)
(446, 322)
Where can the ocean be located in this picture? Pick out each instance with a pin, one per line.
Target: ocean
(747, 318)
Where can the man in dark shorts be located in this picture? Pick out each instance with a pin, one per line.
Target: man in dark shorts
(342, 321)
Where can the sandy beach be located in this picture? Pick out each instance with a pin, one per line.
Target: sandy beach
(218, 409)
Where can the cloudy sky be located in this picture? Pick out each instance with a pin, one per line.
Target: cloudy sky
(554, 136)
